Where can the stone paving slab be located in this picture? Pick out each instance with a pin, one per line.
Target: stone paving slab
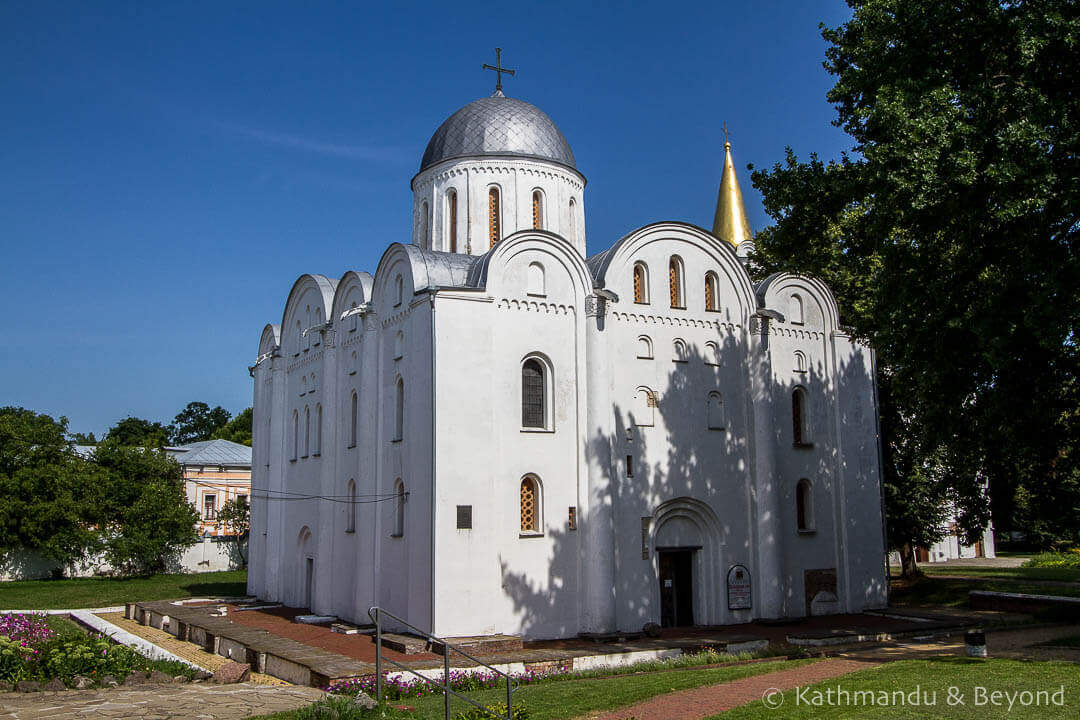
(158, 702)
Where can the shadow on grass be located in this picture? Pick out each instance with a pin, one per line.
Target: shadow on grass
(214, 589)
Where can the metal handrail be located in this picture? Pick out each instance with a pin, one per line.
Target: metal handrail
(376, 613)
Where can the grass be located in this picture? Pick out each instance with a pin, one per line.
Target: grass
(105, 592)
(934, 678)
(1019, 574)
(569, 698)
(948, 592)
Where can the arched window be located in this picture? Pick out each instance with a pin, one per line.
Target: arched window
(644, 407)
(710, 291)
(451, 213)
(399, 508)
(307, 432)
(352, 363)
(299, 338)
(641, 284)
(312, 388)
(399, 290)
(712, 353)
(494, 218)
(295, 434)
(399, 410)
(675, 282)
(800, 361)
(716, 411)
(796, 310)
(644, 347)
(318, 429)
(804, 505)
(350, 518)
(535, 279)
(424, 236)
(799, 413)
(533, 394)
(353, 401)
(573, 220)
(538, 210)
(530, 505)
(678, 351)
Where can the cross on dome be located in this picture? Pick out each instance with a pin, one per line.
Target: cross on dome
(499, 70)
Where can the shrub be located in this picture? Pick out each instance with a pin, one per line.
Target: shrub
(493, 711)
(1070, 559)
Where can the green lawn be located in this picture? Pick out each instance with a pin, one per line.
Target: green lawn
(954, 593)
(1062, 574)
(573, 698)
(105, 592)
(933, 679)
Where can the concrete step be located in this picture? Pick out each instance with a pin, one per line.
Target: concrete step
(404, 644)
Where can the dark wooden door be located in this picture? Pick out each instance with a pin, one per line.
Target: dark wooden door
(676, 588)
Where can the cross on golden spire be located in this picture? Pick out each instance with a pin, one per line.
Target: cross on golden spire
(723, 127)
(499, 70)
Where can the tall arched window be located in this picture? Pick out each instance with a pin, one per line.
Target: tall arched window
(715, 411)
(796, 310)
(710, 291)
(307, 335)
(644, 347)
(399, 290)
(299, 337)
(535, 280)
(538, 209)
(573, 220)
(530, 505)
(295, 434)
(494, 218)
(641, 283)
(800, 361)
(352, 422)
(399, 508)
(425, 226)
(307, 432)
(350, 519)
(451, 213)
(533, 394)
(675, 282)
(318, 429)
(804, 505)
(799, 426)
(399, 410)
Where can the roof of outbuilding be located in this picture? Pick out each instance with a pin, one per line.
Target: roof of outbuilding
(212, 452)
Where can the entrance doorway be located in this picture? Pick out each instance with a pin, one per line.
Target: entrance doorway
(676, 587)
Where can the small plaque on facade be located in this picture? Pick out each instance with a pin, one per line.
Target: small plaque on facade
(738, 588)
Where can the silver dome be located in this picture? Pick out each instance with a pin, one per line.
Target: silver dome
(498, 125)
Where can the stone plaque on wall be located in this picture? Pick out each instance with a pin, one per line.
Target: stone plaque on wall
(738, 588)
(818, 581)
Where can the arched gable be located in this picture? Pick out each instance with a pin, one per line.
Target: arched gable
(613, 269)
(420, 270)
(353, 287)
(314, 291)
(552, 251)
(819, 305)
(270, 339)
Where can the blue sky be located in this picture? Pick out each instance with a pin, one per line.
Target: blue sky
(169, 169)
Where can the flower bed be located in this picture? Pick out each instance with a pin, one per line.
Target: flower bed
(32, 649)
(460, 681)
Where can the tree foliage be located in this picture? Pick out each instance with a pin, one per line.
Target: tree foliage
(237, 430)
(137, 432)
(235, 517)
(198, 421)
(949, 236)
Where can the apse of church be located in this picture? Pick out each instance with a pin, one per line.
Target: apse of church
(560, 443)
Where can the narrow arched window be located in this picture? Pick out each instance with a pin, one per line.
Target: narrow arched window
(451, 212)
(644, 350)
(535, 280)
(399, 508)
(796, 310)
(799, 430)
(530, 505)
(425, 227)
(494, 218)
(675, 282)
(399, 290)
(399, 410)
(679, 352)
(800, 361)
(532, 394)
(350, 519)
(295, 434)
(641, 283)
(307, 335)
(715, 411)
(353, 317)
(538, 210)
(804, 505)
(573, 220)
(299, 337)
(712, 353)
(710, 291)
(352, 422)
(307, 432)
(318, 429)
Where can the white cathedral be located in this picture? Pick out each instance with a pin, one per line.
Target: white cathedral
(494, 433)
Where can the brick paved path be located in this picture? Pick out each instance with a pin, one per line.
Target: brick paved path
(158, 702)
(707, 701)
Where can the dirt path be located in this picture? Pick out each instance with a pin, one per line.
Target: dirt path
(712, 699)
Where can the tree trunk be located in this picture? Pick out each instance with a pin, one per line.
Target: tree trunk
(908, 569)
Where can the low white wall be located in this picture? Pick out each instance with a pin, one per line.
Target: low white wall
(208, 555)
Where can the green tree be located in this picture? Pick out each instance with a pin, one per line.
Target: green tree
(84, 438)
(147, 519)
(198, 422)
(235, 517)
(238, 430)
(51, 496)
(950, 238)
(136, 432)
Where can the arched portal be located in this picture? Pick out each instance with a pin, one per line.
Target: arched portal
(305, 568)
(689, 563)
